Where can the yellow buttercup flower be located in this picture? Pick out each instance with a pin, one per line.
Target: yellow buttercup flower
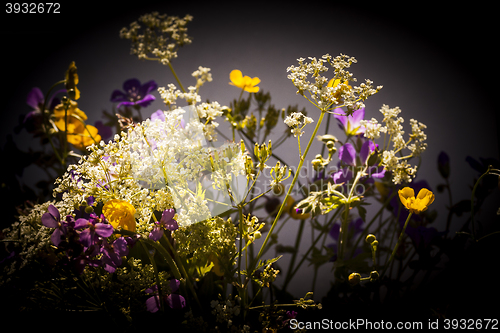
(335, 82)
(76, 117)
(78, 134)
(244, 82)
(418, 204)
(120, 214)
(85, 138)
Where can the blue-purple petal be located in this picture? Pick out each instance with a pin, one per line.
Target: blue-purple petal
(347, 154)
(120, 246)
(342, 176)
(377, 172)
(56, 237)
(86, 238)
(49, 221)
(103, 229)
(156, 234)
(81, 223)
(118, 96)
(174, 285)
(176, 301)
(153, 304)
(132, 84)
(148, 99)
(158, 115)
(147, 87)
(366, 149)
(341, 118)
(35, 98)
(54, 212)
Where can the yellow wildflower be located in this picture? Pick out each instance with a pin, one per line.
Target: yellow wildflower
(418, 204)
(85, 138)
(335, 82)
(244, 82)
(76, 117)
(120, 214)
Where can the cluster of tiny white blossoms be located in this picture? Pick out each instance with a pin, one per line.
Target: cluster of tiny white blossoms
(202, 75)
(155, 166)
(29, 237)
(162, 36)
(225, 310)
(401, 170)
(207, 112)
(329, 96)
(295, 122)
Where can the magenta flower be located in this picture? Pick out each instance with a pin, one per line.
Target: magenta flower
(351, 124)
(93, 229)
(134, 93)
(167, 221)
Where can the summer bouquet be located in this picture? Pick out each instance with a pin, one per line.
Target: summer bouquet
(175, 217)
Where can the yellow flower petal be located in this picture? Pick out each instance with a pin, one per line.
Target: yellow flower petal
(418, 204)
(120, 214)
(236, 78)
(86, 137)
(244, 82)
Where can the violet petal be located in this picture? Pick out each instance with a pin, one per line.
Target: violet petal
(347, 154)
(103, 229)
(176, 301)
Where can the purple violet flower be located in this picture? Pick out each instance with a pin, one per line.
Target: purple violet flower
(134, 93)
(351, 124)
(93, 229)
(112, 253)
(158, 115)
(174, 301)
(167, 221)
(52, 219)
(347, 154)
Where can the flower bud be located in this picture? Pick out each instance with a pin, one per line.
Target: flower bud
(370, 238)
(374, 276)
(257, 234)
(278, 189)
(354, 279)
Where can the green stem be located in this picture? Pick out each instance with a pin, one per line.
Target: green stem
(157, 276)
(472, 202)
(290, 274)
(289, 190)
(176, 77)
(397, 244)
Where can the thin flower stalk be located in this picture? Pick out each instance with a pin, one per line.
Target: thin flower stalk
(294, 180)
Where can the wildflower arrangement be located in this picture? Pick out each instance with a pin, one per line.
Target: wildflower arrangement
(169, 220)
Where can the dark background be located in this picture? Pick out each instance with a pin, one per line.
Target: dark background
(438, 63)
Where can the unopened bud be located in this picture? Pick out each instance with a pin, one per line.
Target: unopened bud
(370, 238)
(374, 276)
(278, 189)
(354, 279)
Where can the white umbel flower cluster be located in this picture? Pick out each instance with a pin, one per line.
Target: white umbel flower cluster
(159, 165)
(161, 37)
(393, 158)
(295, 121)
(335, 91)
